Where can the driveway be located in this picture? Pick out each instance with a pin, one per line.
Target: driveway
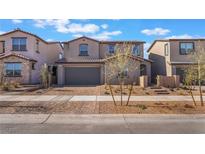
(106, 123)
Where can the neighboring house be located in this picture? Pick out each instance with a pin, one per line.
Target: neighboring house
(172, 56)
(22, 55)
(83, 61)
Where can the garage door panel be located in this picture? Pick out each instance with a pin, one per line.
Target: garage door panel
(82, 75)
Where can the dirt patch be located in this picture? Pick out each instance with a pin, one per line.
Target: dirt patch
(101, 108)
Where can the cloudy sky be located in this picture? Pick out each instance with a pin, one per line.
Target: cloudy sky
(145, 30)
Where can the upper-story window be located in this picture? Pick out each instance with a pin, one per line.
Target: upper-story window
(136, 50)
(83, 50)
(186, 47)
(60, 56)
(166, 49)
(13, 69)
(19, 44)
(37, 46)
(2, 46)
(111, 48)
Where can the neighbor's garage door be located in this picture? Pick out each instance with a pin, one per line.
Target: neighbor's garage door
(82, 75)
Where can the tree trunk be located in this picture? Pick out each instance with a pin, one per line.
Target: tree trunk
(112, 94)
(130, 92)
(121, 92)
(190, 90)
(199, 82)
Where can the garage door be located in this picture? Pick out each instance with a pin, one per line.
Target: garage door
(82, 76)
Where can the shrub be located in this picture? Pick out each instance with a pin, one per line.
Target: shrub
(141, 106)
(6, 86)
(15, 84)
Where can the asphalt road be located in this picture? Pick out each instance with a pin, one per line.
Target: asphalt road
(101, 124)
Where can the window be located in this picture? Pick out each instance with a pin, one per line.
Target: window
(143, 70)
(13, 69)
(111, 49)
(83, 50)
(33, 66)
(60, 56)
(136, 50)
(186, 48)
(2, 46)
(166, 50)
(37, 46)
(19, 44)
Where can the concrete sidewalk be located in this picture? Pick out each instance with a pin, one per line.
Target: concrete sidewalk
(87, 98)
(101, 123)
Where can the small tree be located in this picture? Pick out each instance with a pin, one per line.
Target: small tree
(119, 66)
(2, 75)
(45, 76)
(190, 80)
(195, 74)
(199, 58)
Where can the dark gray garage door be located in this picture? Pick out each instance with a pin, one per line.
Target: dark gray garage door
(82, 76)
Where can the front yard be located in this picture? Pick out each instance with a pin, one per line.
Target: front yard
(100, 107)
(103, 90)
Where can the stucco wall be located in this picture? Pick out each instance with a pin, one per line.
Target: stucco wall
(157, 55)
(25, 77)
(175, 53)
(72, 49)
(48, 53)
(104, 52)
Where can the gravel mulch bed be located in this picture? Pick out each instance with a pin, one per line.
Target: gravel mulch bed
(100, 108)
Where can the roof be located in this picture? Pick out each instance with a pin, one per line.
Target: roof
(95, 60)
(182, 63)
(123, 41)
(81, 38)
(174, 39)
(81, 60)
(132, 57)
(17, 55)
(19, 30)
(110, 41)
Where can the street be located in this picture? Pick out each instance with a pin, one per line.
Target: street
(101, 124)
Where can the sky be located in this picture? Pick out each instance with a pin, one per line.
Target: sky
(124, 29)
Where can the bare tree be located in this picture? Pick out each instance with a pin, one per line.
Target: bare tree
(45, 76)
(195, 74)
(190, 80)
(119, 66)
(199, 58)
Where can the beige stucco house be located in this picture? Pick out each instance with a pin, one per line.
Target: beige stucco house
(83, 61)
(22, 55)
(172, 56)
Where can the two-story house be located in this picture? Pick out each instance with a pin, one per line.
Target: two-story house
(22, 55)
(83, 61)
(172, 56)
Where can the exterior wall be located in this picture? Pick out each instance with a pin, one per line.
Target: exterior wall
(157, 55)
(96, 50)
(72, 49)
(25, 77)
(105, 53)
(168, 81)
(175, 53)
(48, 53)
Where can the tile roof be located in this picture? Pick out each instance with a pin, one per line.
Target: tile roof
(17, 55)
(94, 60)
